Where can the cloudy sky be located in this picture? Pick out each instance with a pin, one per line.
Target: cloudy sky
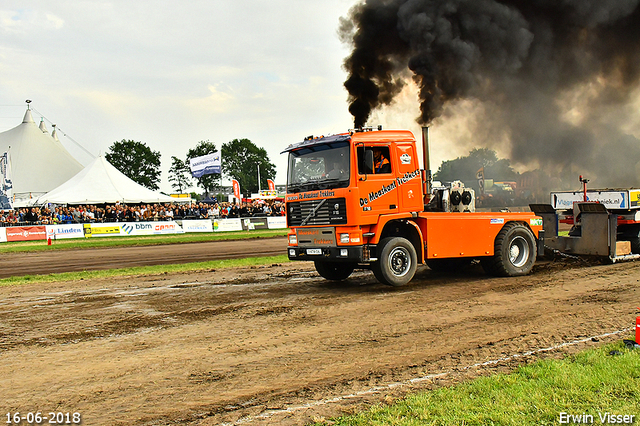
(170, 74)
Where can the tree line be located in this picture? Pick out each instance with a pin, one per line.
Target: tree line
(240, 161)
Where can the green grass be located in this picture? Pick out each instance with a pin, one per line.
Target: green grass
(590, 382)
(94, 242)
(145, 270)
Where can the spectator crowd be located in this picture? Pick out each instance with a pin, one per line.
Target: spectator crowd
(139, 212)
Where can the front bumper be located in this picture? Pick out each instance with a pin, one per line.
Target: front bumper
(338, 254)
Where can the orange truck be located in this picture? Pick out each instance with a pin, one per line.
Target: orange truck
(360, 200)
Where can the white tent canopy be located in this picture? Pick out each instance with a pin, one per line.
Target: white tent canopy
(39, 163)
(99, 183)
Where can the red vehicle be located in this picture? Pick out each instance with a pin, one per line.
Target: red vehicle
(360, 200)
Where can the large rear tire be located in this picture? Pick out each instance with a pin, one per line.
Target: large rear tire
(397, 261)
(334, 271)
(514, 252)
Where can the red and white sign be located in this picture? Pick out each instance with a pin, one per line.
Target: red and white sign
(272, 186)
(26, 233)
(236, 188)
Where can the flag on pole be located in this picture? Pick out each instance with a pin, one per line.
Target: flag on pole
(272, 186)
(6, 185)
(236, 188)
(205, 165)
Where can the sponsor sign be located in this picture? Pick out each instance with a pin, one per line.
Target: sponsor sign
(56, 232)
(26, 233)
(3, 235)
(251, 223)
(610, 199)
(497, 221)
(151, 228)
(204, 225)
(102, 230)
(271, 184)
(227, 225)
(277, 222)
(131, 229)
(205, 165)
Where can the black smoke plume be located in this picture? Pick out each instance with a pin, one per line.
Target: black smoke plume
(521, 59)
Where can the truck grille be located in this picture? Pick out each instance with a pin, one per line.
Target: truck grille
(330, 211)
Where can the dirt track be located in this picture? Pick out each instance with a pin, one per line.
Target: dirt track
(55, 261)
(231, 345)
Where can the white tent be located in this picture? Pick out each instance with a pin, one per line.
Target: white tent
(98, 183)
(39, 163)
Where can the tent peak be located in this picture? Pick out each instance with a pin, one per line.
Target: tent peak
(43, 126)
(27, 117)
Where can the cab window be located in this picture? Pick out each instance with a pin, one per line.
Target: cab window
(381, 160)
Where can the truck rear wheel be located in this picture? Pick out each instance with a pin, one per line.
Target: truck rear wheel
(334, 271)
(514, 252)
(397, 261)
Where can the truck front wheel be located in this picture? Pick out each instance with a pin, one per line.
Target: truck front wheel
(514, 252)
(334, 271)
(397, 261)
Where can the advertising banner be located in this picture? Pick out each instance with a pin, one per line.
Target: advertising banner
(205, 165)
(227, 225)
(102, 230)
(203, 225)
(26, 233)
(251, 223)
(610, 198)
(271, 185)
(56, 232)
(277, 222)
(3, 235)
(236, 188)
(125, 229)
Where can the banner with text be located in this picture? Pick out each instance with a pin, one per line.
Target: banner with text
(204, 225)
(73, 230)
(227, 225)
(26, 233)
(205, 165)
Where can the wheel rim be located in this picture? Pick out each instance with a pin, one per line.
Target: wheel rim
(399, 261)
(518, 252)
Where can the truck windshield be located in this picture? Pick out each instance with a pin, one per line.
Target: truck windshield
(322, 166)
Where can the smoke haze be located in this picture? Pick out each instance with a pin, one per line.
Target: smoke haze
(559, 77)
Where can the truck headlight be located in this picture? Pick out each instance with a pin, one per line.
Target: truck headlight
(344, 252)
(293, 239)
(344, 238)
(292, 252)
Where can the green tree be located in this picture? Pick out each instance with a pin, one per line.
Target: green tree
(179, 174)
(466, 168)
(136, 161)
(211, 182)
(240, 161)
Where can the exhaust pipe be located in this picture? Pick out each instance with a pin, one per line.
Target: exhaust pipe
(426, 173)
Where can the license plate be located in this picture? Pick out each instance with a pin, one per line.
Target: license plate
(314, 251)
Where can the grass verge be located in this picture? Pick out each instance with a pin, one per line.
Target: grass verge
(145, 270)
(588, 385)
(96, 242)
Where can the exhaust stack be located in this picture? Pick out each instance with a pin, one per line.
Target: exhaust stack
(426, 173)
